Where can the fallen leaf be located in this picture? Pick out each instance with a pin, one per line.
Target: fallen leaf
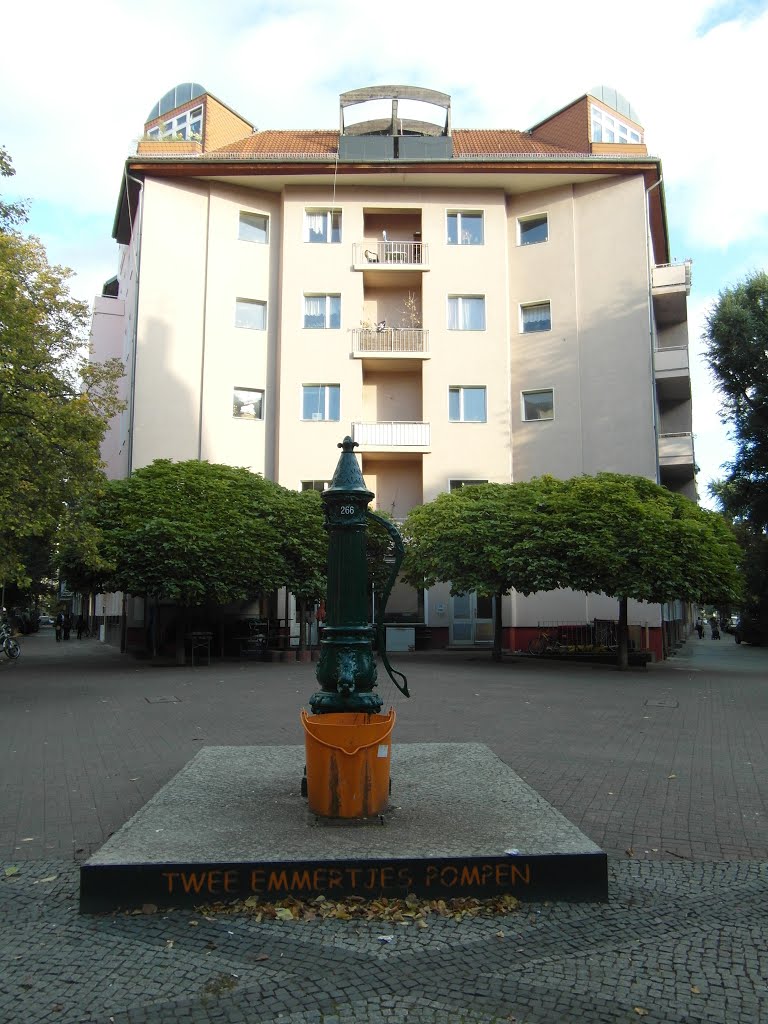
(261, 956)
(169, 943)
(149, 908)
(283, 914)
(695, 990)
(48, 878)
(630, 852)
(640, 1011)
(13, 870)
(672, 776)
(193, 924)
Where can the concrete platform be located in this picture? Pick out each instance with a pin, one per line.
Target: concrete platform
(232, 824)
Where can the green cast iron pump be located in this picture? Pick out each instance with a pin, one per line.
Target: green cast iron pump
(346, 670)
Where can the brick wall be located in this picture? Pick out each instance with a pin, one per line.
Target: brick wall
(568, 128)
(222, 125)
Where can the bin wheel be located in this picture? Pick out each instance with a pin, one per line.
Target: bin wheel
(390, 787)
(304, 786)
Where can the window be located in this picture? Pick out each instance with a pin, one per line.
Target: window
(533, 229)
(315, 485)
(251, 313)
(607, 128)
(457, 485)
(248, 404)
(322, 311)
(465, 228)
(466, 405)
(188, 125)
(536, 317)
(322, 225)
(466, 313)
(539, 405)
(320, 402)
(254, 227)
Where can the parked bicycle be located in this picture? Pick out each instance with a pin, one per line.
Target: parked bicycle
(9, 645)
(545, 643)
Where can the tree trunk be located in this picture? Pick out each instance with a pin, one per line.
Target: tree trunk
(623, 638)
(497, 627)
(301, 605)
(180, 652)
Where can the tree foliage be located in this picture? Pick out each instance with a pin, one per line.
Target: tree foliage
(623, 536)
(736, 340)
(54, 405)
(194, 533)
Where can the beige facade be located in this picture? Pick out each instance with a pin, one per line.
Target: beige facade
(488, 315)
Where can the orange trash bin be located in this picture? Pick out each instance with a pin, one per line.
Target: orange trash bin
(348, 762)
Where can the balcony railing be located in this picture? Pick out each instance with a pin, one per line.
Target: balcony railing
(390, 255)
(394, 341)
(676, 448)
(408, 434)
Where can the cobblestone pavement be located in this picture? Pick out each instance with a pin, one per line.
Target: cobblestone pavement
(664, 768)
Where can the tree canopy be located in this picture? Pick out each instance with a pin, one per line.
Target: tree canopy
(195, 532)
(623, 536)
(736, 338)
(54, 405)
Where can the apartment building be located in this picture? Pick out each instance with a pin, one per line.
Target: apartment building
(470, 305)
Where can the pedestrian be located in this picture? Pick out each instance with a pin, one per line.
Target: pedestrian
(67, 625)
(715, 630)
(59, 625)
(80, 626)
(700, 628)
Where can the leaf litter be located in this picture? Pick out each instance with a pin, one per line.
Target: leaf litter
(412, 910)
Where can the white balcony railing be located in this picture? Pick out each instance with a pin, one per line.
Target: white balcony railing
(672, 275)
(390, 254)
(392, 434)
(676, 448)
(672, 360)
(390, 341)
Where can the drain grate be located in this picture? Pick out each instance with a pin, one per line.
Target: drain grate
(162, 700)
(665, 702)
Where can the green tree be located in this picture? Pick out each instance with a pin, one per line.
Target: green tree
(736, 338)
(54, 405)
(627, 537)
(623, 536)
(487, 538)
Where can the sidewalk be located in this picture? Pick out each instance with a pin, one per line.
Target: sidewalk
(664, 768)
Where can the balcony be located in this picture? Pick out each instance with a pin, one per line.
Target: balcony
(401, 436)
(379, 256)
(671, 286)
(676, 459)
(390, 343)
(673, 374)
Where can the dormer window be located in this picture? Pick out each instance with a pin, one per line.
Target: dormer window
(609, 128)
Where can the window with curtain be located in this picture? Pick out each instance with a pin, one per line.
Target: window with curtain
(322, 311)
(322, 225)
(466, 313)
(321, 402)
(536, 317)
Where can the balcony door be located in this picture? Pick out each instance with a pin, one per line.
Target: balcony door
(472, 619)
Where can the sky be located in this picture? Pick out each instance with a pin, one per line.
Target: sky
(78, 81)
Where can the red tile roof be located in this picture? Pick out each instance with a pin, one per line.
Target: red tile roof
(472, 141)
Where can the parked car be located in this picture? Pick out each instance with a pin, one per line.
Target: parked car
(46, 620)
